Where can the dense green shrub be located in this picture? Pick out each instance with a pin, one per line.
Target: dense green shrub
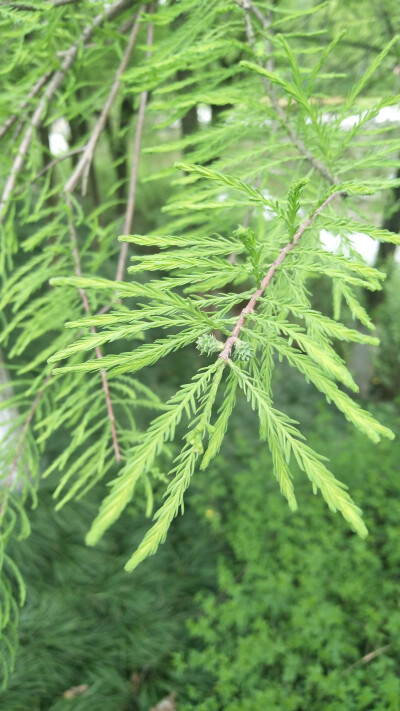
(301, 600)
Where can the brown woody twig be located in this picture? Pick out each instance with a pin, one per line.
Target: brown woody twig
(35, 90)
(130, 207)
(112, 11)
(368, 658)
(56, 161)
(83, 167)
(31, 8)
(316, 163)
(99, 355)
(34, 123)
(230, 342)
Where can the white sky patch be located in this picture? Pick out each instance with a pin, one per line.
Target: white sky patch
(388, 114)
(350, 121)
(366, 247)
(323, 118)
(58, 137)
(204, 113)
(362, 243)
(268, 212)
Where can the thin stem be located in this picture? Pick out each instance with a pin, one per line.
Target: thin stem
(31, 8)
(230, 342)
(59, 3)
(83, 167)
(35, 90)
(19, 6)
(130, 207)
(233, 257)
(56, 161)
(112, 11)
(368, 657)
(86, 306)
(298, 142)
(10, 479)
(345, 42)
(317, 164)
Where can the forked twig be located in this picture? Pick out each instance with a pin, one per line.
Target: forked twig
(50, 165)
(130, 207)
(230, 342)
(316, 163)
(56, 161)
(109, 13)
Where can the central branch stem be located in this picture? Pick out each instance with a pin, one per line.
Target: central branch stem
(230, 342)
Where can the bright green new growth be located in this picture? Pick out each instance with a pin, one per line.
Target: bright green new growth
(267, 329)
(235, 254)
